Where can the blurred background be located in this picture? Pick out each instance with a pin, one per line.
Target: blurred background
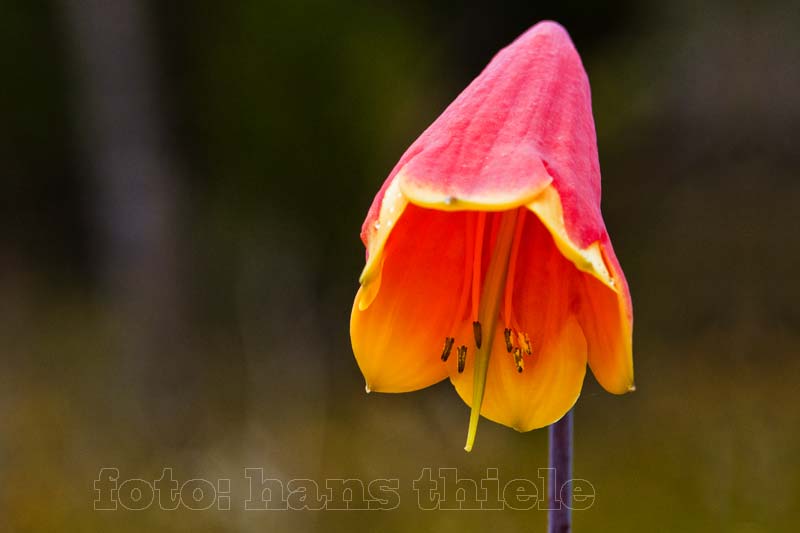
(183, 185)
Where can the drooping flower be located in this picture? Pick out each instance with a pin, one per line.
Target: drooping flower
(488, 260)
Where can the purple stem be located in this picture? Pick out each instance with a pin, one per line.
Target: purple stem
(559, 517)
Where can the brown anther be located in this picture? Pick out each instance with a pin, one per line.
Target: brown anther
(462, 358)
(507, 334)
(448, 345)
(527, 340)
(476, 329)
(518, 359)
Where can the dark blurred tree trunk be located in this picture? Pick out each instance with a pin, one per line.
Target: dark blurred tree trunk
(136, 197)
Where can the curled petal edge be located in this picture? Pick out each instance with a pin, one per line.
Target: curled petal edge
(392, 206)
(545, 203)
(548, 208)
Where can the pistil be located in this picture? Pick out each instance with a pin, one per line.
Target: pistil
(489, 311)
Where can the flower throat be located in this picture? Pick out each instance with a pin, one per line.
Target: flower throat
(489, 300)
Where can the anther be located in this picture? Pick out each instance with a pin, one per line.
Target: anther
(448, 345)
(462, 358)
(509, 346)
(527, 342)
(518, 359)
(476, 330)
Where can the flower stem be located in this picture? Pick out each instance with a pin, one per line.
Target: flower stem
(559, 492)
(489, 313)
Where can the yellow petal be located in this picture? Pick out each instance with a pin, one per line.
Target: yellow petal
(606, 322)
(398, 336)
(602, 296)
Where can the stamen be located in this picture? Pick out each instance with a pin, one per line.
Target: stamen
(508, 310)
(526, 341)
(509, 346)
(462, 358)
(476, 330)
(518, 359)
(448, 345)
(462, 309)
(493, 231)
(477, 258)
(489, 312)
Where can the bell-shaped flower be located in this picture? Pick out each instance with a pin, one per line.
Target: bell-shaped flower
(488, 261)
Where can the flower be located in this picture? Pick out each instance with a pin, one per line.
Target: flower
(488, 260)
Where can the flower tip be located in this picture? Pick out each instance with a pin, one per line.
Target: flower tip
(550, 25)
(632, 388)
(366, 388)
(549, 28)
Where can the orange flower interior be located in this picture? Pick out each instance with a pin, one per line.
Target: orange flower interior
(488, 299)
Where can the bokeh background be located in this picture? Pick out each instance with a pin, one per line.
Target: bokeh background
(182, 189)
